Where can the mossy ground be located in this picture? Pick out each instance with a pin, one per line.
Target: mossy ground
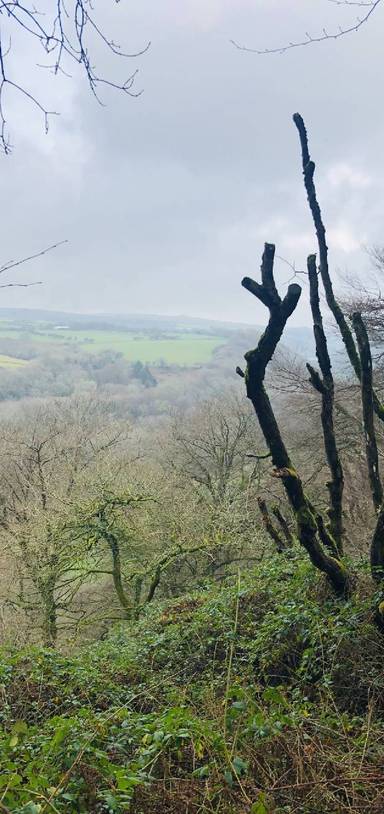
(262, 695)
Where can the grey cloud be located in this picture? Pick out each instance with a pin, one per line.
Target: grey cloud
(166, 200)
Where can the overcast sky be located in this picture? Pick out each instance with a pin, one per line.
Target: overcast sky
(166, 200)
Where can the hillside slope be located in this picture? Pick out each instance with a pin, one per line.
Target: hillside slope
(254, 697)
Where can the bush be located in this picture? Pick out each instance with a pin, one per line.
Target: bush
(254, 698)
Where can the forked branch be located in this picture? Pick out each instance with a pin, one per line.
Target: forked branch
(257, 361)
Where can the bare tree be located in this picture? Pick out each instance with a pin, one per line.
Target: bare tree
(46, 463)
(209, 446)
(108, 525)
(66, 33)
(366, 297)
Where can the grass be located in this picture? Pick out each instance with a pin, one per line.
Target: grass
(11, 361)
(180, 349)
(183, 349)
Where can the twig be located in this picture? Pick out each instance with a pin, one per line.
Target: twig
(323, 37)
(13, 263)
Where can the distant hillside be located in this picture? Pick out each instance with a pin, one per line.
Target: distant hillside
(297, 339)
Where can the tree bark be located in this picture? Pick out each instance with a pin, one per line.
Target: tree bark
(326, 389)
(377, 543)
(269, 527)
(308, 172)
(257, 361)
(368, 410)
(284, 526)
(345, 331)
(117, 576)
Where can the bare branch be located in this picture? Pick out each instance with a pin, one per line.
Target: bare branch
(20, 285)
(269, 527)
(345, 331)
(11, 264)
(323, 37)
(62, 35)
(284, 525)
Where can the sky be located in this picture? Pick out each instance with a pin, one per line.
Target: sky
(167, 199)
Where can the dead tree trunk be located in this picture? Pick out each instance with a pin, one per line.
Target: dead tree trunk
(325, 386)
(367, 399)
(257, 362)
(345, 331)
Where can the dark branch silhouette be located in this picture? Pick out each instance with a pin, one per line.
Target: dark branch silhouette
(368, 410)
(11, 264)
(325, 35)
(257, 362)
(325, 386)
(334, 306)
(62, 35)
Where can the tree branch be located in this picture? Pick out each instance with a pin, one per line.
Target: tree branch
(62, 35)
(345, 331)
(326, 387)
(368, 410)
(323, 37)
(269, 527)
(284, 525)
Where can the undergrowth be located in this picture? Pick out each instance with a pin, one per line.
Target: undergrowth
(262, 695)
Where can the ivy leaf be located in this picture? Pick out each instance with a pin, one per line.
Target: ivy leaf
(260, 806)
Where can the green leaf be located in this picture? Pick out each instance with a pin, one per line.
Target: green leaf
(240, 766)
(274, 696)
(260, 806)
(228, 778)
(202, 771)
(60, 735)
(14, 780)
(127, 781)
(241, 705)
(20, 727)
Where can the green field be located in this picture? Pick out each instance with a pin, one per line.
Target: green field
(11, 361)
(180, 349)
(184, 349)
